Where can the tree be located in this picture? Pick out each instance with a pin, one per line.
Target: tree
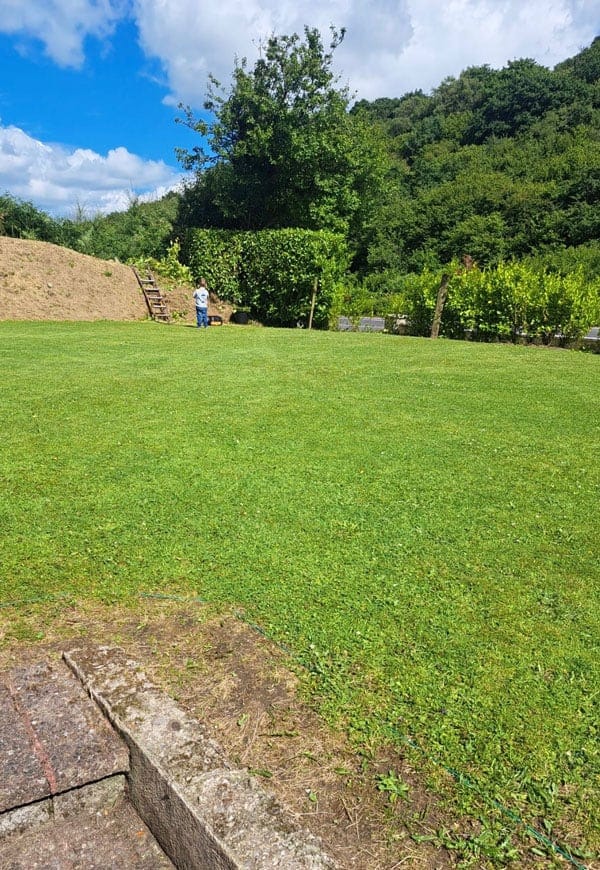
(144, 230)
(585, 65)
(22, 220)
(496, 163)
(518, 95)
(282, 149)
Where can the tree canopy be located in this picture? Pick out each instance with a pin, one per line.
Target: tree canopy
(496, 163)
(282, 149)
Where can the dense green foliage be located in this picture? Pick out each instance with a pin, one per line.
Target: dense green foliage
(143, 230)
(281, 269)
(285, 150)
(22, 220)
(416, 521)
(516, 300)
(169, 270)
(495, 164)
(272, 272)
(215, 255)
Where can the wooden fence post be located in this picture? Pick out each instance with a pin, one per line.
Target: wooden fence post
(439, 305)
(312, 303)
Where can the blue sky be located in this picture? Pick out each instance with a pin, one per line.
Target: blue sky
(89, 88)
(116, 97)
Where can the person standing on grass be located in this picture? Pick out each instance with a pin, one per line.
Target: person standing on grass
(201, 300)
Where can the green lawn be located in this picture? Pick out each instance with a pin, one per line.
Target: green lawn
(417, 521)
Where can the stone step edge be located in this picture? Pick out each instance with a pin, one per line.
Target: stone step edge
(203, 812)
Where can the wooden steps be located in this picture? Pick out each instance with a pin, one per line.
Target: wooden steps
(156, 302)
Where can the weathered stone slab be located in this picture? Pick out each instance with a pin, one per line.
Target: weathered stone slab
(23, 818)
(22, 778)
(71, 741)
(202, 811)
(114, 838)
(371, 324)
(94, 798)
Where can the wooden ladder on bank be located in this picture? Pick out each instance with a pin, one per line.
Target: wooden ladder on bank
(156, 302)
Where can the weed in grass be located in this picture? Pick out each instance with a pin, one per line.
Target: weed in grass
(393, 785)
(491, 844)
(262, 772)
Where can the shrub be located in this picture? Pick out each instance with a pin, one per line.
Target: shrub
(514, 298)
(503, 301)
(169, 268)
(215, 255)
(279, 270)
(22, 220)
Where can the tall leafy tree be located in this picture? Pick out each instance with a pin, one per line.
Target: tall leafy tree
(282, 149)
(22, 220)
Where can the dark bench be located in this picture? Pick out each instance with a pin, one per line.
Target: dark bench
(592, 339)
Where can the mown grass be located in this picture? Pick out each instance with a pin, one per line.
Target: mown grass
(417, 521)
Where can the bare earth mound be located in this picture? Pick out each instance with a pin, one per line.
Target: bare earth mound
(40, 281)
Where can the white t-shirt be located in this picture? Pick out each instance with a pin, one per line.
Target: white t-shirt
(201, 297)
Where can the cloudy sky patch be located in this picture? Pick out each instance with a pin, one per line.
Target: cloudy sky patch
(59, 180)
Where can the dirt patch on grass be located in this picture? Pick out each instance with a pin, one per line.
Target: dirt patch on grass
(245, 690)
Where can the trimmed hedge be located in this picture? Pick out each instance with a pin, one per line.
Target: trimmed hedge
(215, 255)
(270, 271)
(507, 301)
(512, 299)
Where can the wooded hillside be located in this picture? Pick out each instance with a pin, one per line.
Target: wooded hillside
(495, 164)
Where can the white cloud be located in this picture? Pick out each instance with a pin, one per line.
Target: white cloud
(61, 25)
(57, 180)
(451, 36)
(391, 46)
(193, 41)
